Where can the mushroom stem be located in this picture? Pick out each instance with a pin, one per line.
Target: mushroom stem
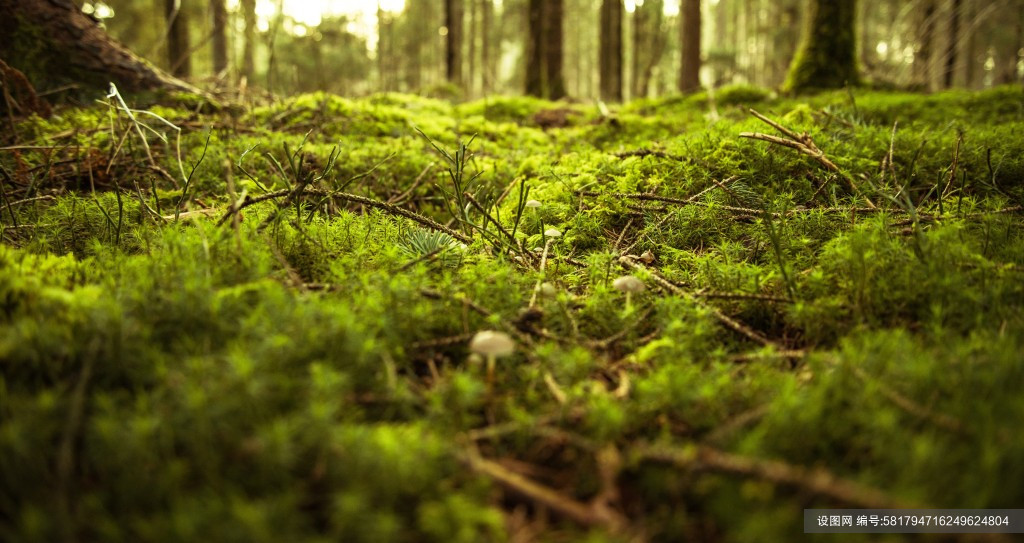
(540, 280)
(491, 363)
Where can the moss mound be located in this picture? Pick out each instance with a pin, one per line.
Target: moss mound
(256, 328)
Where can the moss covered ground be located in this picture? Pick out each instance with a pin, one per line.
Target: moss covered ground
(253, 325)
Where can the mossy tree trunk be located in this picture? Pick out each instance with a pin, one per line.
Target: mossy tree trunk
(54, 43)
(827, 56)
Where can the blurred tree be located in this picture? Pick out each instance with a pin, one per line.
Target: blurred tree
(952, 48)
(179, 50)
(219, 14)
(553, 49)
(54, 43)
(1010, 43)
(611, 50)
(489, 60)
(453, 44)
(689, 36)
(249, 39)
(648, 43)
(925, 44)
(827, 57)
(544, 50)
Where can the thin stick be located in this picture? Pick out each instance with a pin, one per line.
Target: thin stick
(804, 144)
(815, 480)
(344, 196)
(726, 320)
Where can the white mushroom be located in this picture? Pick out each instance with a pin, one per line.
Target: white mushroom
(533, 203)
(628, 284)
(552, 233)
(493, 345)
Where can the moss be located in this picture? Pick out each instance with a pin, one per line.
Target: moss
(826, 57)
(303, 373)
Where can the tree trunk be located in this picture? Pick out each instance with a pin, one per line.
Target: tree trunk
(535, 49)
(54, 43)
(689, 35)
(474, 22)
(179, 49)
(827, 57)
(611, 50)
(949, 74)
(640, 30)
(453, 44)
(553, 49)
(249, 45)
(487, 45)
(220, 37)
(925, 45)
(651, 45)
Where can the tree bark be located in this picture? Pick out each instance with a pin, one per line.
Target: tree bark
(554, 49)
(487, 45)
(925, 45)
(949, 75)
(611, 50)
(689, 35)
(220, 37)
(179, 49)
(453, 47)
(54, 43)
(249, 46)
(827, 57)
(535, 49)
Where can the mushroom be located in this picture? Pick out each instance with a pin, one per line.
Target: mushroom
(628, 284)
(552, 233)
(493, 345)
(535, 206)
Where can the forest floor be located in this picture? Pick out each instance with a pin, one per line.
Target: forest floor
(254, 325)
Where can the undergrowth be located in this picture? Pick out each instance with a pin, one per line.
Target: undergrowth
(277, 348)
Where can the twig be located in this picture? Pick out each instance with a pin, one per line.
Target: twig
(344, 196)
(579, 512)
(726, 320)
(804, 144)
(818, 481)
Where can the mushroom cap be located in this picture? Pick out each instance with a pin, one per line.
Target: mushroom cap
(492, 343)
(552, 233)
(533, 203)
(628, 283)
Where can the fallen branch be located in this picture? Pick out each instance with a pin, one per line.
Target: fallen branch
(595, 514)
(726, 320)
(344, 196)
(818, 481)
(804, 144)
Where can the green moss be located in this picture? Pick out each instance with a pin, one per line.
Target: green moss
(304, 375)
(826, 57)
